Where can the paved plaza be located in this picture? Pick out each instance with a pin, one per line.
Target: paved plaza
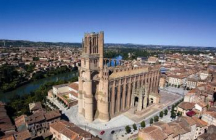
(122, 135)
(117, 123)
(179, 91)
(167, 99)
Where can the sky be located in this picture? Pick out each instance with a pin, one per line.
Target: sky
(157, 22)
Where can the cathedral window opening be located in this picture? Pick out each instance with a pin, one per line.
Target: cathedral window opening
(115, 104)
(126, 94)
(151, 100)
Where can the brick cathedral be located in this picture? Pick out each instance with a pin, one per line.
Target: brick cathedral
(106, 91)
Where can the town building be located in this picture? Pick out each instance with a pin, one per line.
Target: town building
(22, 135)
(161, 58)
(162, 82)
(152, 60)
(63, 130)
(177, 80)
(209, 117)
(184, 128)
(6, 126)
(35, 107)
(37, 123)
(185, 107)
(67, 93)
(210, 135)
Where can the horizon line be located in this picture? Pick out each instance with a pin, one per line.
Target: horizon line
(109, 43)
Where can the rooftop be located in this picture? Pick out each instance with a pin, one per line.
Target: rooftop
(23, 135)
(186, 105)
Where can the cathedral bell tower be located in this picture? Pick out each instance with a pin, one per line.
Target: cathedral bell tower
(90, 73)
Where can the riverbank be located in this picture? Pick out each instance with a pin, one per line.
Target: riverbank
(19, 104)
(11, 78)
(34, 85)
(14, 88)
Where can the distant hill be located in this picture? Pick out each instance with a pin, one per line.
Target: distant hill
(25, 43)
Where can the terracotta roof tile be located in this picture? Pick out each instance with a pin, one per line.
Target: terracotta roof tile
(35, 106)
(187, 119)
(34, 118)
(186, 105)
(199, 122)
(70, 130)
(155, 133)
(177, 129)
(74, 86)
(5, 122)
(164, 126)
(10, 137)
(211, 113)
(23, 135)
(52, 114)
(20, 120)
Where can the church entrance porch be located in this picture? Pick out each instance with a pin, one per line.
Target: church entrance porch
(139, 99)
(136, 100)
(138, 103)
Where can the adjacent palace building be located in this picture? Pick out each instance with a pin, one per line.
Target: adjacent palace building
(107, 90)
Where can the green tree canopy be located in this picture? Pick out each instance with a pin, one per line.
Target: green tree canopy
(165, 112)
(143, 124)
(134, 127)
(128, 129)
(151, 121)
(173, 115)
(161, 114)
(156, 118)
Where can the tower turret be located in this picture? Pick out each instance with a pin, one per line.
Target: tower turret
(90, 73)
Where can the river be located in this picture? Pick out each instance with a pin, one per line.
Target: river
(34, 85)
(117, 62)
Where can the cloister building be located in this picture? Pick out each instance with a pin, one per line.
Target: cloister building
(106, 91)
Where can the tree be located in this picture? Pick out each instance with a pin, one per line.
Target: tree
(156, 118)
(151, 121)
(179, 114)
(143, 124)
(165, 112)
(161, 114)
(128, 129)
(48, 138)
(19, 105)
(134, 127)
(173, 115)
(173, 108)
(10, 77)
(35, 58)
